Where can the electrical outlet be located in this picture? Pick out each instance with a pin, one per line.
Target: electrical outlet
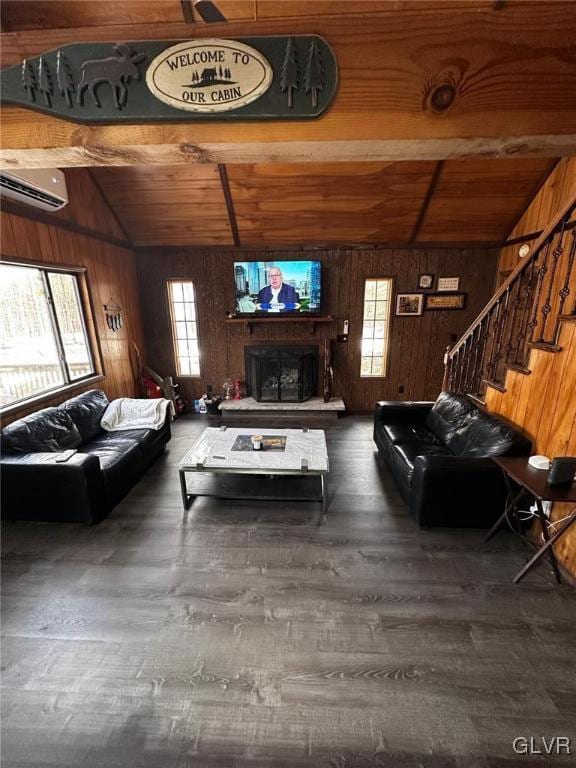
(546, 508)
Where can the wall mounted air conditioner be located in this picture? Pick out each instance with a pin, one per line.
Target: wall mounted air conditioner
(42, 188)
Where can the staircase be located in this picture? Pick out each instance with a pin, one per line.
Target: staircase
(525, 313)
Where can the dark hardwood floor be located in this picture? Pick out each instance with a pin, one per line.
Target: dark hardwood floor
(253, 636)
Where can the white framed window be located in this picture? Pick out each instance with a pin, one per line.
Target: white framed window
(44, 344)
(182, 302)
(377, 311)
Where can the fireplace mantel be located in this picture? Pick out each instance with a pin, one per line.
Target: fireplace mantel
(312, 322)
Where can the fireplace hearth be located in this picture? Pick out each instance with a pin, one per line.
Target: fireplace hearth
(286, 374)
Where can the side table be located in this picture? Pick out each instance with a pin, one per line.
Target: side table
(517, 470)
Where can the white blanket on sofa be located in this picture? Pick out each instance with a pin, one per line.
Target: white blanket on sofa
(128, 413)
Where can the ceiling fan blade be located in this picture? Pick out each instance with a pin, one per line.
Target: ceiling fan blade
(208, 11)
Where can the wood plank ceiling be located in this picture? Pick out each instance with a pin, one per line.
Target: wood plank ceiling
(467, 201)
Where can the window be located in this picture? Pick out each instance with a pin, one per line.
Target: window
(376, 327)
(184, 327)
(43, 339)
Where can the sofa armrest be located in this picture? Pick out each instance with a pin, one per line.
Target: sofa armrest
(402, 412)
(456, 491)
(36, 487)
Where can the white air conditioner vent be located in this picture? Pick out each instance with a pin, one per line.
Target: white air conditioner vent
(43, 188)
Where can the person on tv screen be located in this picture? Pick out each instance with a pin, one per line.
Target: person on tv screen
(277, 292)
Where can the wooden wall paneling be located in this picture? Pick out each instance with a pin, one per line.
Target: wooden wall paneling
(561, 437)
(86, 207)
(407, 51)
(417, 344)
(7, 239)
(558, 384)
(557, 188)
(542, 404)
(109, 272)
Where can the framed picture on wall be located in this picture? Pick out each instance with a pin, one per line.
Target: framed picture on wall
(408, 304)
(444, 301)
(448, 284)
(425, 282)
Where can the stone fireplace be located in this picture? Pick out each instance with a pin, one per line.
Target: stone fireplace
(286, 374)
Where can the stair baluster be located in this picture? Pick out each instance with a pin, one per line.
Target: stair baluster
(513, 319)
(493, 360)
(478, 359)
(502, 334)
(520, 357)
(547, 306)
(488, 342)
(542, 269)
(565, 290)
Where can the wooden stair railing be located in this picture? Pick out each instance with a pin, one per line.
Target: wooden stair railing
(526, 312)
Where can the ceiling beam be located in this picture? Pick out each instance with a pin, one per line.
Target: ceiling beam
(476, 246)
(209, 11)
(537, 187)
(187, 11)
(109, 207)
(229, 204)
(98, 147)
(427, 199)
(511, 75)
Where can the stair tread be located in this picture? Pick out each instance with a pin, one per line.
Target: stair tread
(518, 368)
(568, 318)
(545, 346)
(495, 385)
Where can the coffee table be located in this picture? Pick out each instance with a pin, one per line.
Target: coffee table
(304, 455)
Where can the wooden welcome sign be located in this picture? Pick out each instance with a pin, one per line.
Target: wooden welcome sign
(258, 78)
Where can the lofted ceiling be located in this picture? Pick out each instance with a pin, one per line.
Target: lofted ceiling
(418, 80)
(510, 62)
(456, 201)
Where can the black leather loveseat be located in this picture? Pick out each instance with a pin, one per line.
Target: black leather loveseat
(87, 486)
(439, 454)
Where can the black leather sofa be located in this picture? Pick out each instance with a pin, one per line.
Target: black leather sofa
(440, 456)
(87, 486)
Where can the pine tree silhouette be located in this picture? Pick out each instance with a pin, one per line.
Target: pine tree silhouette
(289, 78)
(314, 80)
(29, 80)
(65, 78)
(220, 72)
(45, 81)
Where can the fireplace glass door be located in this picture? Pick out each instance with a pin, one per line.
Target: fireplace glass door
(281, 374)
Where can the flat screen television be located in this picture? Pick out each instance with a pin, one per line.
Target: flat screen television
(278, 287)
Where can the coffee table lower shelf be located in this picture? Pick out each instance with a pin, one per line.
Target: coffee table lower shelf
(262, 479)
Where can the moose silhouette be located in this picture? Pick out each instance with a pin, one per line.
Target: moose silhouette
(115, 70)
